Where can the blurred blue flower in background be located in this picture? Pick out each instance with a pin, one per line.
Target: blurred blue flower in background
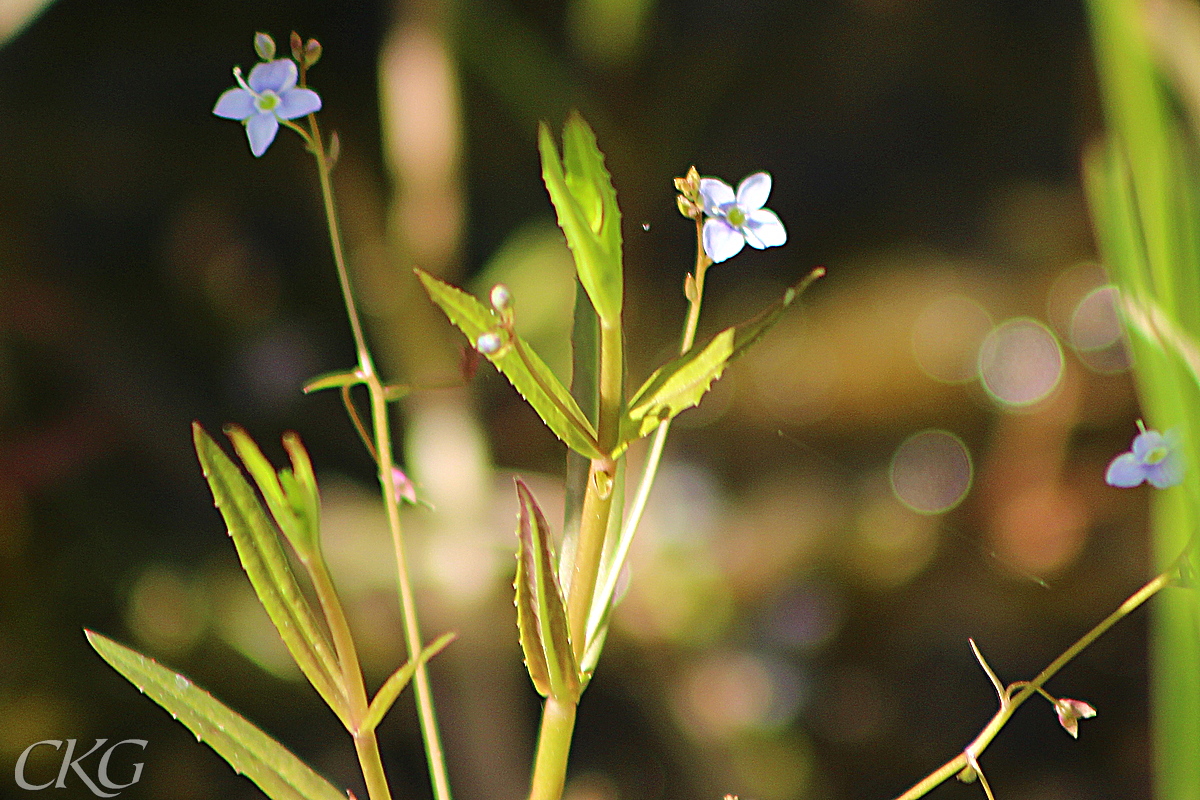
(735, 220)
(1154, 457)
(270, 95)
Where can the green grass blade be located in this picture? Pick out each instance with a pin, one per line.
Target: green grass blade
(250, 751)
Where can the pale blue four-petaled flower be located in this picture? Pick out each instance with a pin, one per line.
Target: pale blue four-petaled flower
(737, 219)
(1154, 457)
(269, 95)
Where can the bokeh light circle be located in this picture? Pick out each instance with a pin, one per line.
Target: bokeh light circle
(1095, 332)
(931, 471)
(1020, 362)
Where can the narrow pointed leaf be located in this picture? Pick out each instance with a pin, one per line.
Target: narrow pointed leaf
(265, 563)
(297, 528)
(250, 751)
(382, 702)
(678, 385)
(528, 374)
(333, 380)
(586, 205)
(682, 382)
(541, 610)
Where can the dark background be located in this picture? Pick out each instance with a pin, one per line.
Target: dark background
(152, 273)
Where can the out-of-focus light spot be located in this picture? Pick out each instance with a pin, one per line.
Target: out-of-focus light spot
(946, 336)
(1041, 530)
(730, 693)
(243, 624)
(931, 471)
(891, 543)
(591, 786)
(1020, 362)
(31, 714)
(1095, 332)
(771, 767)
(165, 612)
(1068, 288)
(805, 618)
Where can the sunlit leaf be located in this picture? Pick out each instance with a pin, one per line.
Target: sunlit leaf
(586, 203)
(250, 751)
(528, 374)
(262, 557)
(394, 685)
(541, 609)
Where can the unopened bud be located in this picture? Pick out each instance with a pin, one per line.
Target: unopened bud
(488, 343)
(312, 52)
(297, 46)
(264, 45)
(501, 298)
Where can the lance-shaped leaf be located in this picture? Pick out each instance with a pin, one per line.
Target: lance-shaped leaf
(293, 503)
(541, 610)
(257, 542)
(681, 383)
(250, 751)
(583, 196)
(528, 374)
(381, 703)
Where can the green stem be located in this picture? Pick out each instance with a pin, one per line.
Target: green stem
(383, 457)
(554, 747)
(657, 444)
(994, 726)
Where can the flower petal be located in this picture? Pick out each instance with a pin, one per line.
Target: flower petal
(721, 241)
(752, 193)
(235, 103)
(715, 194)
(261, 130)
(764, 229)
(273, 76)
(1125, 471)
(1146, 441)
(1166, 473)
(297, 103)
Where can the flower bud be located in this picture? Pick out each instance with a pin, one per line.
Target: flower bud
(1070, 712)
(264, 45)
(312, 52)
(297, 47)
(501, 298)
(488, 343)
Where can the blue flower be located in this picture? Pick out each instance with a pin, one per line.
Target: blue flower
(1154, 457)
(270, 95)
(735, 220)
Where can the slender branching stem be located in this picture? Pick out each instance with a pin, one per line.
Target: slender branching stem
(365, 742)
(972, 751)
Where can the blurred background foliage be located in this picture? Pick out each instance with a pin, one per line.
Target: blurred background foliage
(809, 570)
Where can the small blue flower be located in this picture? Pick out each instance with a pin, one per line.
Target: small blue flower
(270, 95)
(735, 220)
(1154, 457)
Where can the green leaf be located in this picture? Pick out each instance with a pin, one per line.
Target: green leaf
(528, 374)
(394, 685)
(681, 383)
(250, 751)
(266, 564)
(541, 610)
(296, 513)
(586, 203)
(333, 380)
(677, 385)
